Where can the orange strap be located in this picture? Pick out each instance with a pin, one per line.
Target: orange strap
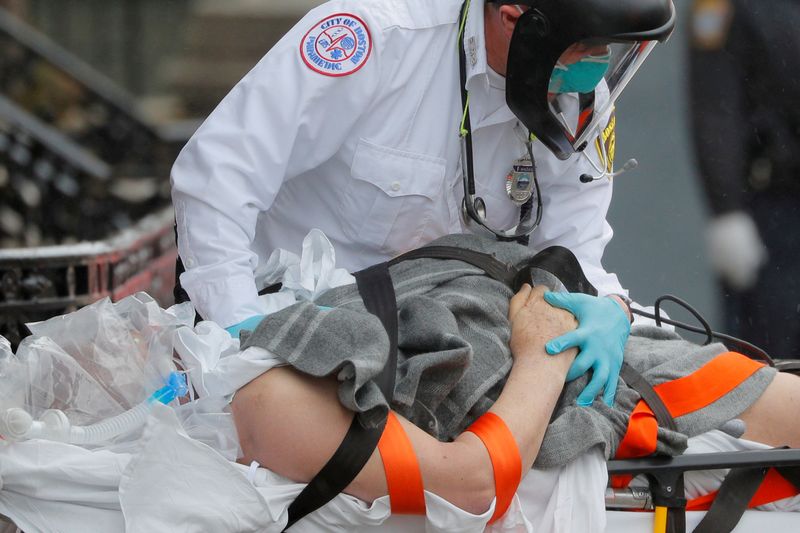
(641, 437)
(685, 395)
(774, 487)
(406, 491)
(506, 461)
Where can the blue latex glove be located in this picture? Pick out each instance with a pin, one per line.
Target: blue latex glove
(603, 329)
(247, 325)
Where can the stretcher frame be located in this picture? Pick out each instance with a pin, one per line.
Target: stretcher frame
(665, 475)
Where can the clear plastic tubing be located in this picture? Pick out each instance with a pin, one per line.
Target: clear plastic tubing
(16, 424)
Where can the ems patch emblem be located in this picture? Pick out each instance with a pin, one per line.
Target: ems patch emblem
(337, 46)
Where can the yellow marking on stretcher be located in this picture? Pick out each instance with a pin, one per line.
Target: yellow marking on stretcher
(660, 520)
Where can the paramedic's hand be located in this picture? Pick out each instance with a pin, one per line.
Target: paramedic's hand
(247, 325)
(603, 329)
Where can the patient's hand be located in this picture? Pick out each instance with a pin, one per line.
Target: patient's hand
(534, 322)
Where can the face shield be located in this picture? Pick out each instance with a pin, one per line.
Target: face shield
(588, 69)
(583, 48)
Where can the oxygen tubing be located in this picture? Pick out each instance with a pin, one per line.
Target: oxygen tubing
(16, 424)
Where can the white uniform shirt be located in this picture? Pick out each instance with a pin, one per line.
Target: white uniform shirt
(372, 157)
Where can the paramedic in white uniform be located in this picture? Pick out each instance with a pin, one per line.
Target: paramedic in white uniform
(350, 124)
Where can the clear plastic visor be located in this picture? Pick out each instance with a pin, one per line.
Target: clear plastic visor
(612, 63)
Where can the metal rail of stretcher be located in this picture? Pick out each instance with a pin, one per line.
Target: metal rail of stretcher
(665, 474)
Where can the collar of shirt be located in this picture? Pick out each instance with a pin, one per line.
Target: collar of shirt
(486, 87)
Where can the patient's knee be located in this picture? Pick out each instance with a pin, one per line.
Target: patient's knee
(766, 419)
(289, 422)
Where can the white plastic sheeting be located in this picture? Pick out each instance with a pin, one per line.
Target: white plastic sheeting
(172, 482)
(100, 360)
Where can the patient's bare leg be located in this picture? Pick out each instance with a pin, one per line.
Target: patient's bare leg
(280, 418)
(773, 419)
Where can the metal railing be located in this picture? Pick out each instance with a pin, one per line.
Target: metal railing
(68, 94)
(38, 283)
(84, 194)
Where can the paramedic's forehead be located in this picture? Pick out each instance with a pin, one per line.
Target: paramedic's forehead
(578, 51)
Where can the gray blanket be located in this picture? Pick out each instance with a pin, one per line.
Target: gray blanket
(454, 358)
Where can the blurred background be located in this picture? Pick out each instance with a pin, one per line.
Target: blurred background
(99, 95)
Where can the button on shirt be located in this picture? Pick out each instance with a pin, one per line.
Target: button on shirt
(371, 158)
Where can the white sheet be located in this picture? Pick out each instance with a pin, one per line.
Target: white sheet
(171, 482)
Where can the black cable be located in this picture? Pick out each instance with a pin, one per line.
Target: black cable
(739, 345)
(669, 297)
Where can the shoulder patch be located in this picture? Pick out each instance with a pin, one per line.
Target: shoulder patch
(338, 45)
(711, 20)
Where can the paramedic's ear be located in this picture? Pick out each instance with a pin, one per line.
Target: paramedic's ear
(509, 15)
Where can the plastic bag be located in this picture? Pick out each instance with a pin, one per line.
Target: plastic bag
(102, 359)
(304, 278)
(13, 378)
(210, 421)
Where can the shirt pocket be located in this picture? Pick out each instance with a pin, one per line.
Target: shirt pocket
(394, 200)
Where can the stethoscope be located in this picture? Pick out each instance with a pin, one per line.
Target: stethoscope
(604, 172)
(474, 207)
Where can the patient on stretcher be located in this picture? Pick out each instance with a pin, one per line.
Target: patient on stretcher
(469, 345)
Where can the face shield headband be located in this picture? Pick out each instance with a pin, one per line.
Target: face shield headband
(552, 37)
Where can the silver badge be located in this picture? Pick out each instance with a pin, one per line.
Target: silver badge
(520, 182)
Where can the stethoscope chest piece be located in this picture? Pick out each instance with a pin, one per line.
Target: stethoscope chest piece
(478, 208)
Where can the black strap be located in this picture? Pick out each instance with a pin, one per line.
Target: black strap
(637, 382)
(561, 263)
(557, 260)
(524, 212)
(791, 473)
(676, 520)
(735, 493)
(493, 267)
(345, 464)
(377, 290)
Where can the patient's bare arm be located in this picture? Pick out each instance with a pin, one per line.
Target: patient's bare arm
(292, 424)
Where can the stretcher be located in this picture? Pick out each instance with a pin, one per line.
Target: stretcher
(665, 475)
(617, 520)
